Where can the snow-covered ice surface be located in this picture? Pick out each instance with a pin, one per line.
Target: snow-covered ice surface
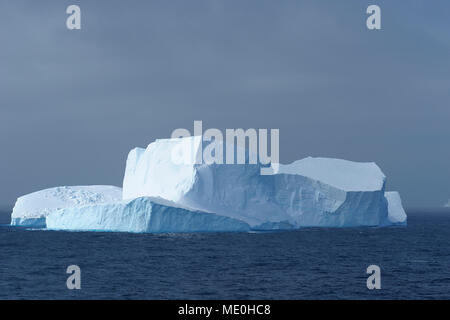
(140, 215)
(165, 190)
(31, 210)
(310, 192)
(341, 174)
(396, 213)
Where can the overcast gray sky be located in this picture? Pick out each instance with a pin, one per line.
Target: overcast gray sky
(73, 103)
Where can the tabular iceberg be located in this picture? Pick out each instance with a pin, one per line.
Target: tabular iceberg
(162, 194)
(312, 192)
(31, 210)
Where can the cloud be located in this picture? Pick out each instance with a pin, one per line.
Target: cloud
(72, 103)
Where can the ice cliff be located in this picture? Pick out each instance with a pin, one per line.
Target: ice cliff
(162, 192)
(140, 215)
(318, 192)
(396, 213)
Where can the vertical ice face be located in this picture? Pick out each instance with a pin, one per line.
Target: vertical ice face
(140, 215)
(396, 213)
(309, 192)
(32, 209)
(164, 168)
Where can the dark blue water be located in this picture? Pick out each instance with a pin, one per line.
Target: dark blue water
(302, 264)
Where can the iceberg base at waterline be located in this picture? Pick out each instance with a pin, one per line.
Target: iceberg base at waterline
(31, 222)
(141, 215)
(156, 215)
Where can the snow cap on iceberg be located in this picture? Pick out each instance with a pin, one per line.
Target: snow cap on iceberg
(342, 174)
(32, 209)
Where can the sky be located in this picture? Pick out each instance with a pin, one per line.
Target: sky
(74, 102)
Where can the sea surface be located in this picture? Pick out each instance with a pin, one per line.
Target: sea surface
(310, 263)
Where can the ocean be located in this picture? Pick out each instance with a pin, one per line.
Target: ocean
(310, 263)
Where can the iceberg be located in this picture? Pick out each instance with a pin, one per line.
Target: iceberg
(396, 213)
(31, 210)
(141, 215)
(168, 187)
(312, 192)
